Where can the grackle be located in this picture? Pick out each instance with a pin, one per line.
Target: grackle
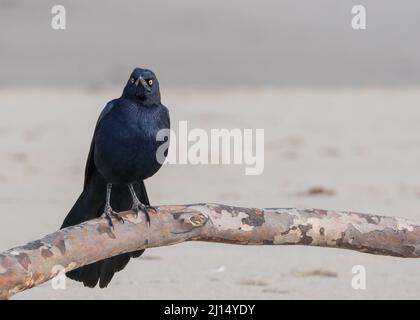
(122, 155)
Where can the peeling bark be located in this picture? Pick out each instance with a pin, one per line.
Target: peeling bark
(27, 266)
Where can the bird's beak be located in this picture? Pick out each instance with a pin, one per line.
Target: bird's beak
(143, 83)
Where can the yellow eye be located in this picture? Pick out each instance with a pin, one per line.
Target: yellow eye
(150, 82)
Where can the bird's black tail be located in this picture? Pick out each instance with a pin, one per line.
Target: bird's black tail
(89, 205)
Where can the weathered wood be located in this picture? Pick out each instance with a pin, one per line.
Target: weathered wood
(32, 264)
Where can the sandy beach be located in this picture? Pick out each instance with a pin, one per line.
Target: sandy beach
(360, 147)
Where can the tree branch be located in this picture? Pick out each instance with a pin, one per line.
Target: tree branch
(34, 263)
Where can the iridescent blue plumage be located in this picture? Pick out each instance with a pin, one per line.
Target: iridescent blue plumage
(122, 155)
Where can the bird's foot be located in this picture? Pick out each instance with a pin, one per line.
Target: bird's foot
(109, 214)
(151, 208)
(138, 206)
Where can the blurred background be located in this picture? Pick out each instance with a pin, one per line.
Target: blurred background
(340, 109)
(211, 43)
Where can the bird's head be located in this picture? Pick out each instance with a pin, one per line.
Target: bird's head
(142, 86)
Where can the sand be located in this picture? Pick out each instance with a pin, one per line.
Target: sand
(361, 145)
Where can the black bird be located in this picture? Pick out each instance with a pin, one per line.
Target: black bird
(122, 155)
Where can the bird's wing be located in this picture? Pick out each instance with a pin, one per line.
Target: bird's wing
(106, 110)
(90, 163)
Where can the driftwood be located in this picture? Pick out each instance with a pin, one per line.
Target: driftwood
(34, 263)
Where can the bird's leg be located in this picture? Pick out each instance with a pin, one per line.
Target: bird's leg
(137, 205)
(108, 212)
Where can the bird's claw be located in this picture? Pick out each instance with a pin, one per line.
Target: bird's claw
(151, 208)
(109, 214)
(138, 206)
